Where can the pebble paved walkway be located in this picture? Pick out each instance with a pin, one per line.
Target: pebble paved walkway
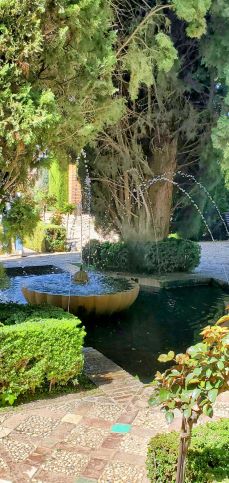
(95, 436)
(62, 260)
(215, 260)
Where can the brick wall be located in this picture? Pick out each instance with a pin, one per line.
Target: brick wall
(74, 186)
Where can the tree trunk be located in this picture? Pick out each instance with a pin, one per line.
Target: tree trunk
(161, 192)
(185, 438)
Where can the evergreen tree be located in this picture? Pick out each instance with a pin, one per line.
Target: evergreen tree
(55, 80)
(171, 72)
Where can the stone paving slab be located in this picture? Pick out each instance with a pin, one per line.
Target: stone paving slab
(71, 438)
(62, 260)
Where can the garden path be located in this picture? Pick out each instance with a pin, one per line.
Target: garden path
(94, 436)
(215, 260)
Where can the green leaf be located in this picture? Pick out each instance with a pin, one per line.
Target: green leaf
(163, 395)
(209, 385)
(162, 358)
(212, 395)
(175, 372)
(190, 379)
(187, 412)
(207, 410)
(196, 393)
(166, 357)
(197, 349)
(169, 417)
(197, 371)
(208, 373)
(171, 355)
(220, 365)
(226, 339)
(154, 401)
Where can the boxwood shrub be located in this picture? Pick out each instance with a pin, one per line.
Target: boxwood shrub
(39, 345)
(170, 255)
(207, 457)
(55, 239)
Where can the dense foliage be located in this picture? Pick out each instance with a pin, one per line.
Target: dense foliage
(207, 459)
(143, 83)
(4, 280)
(170, 255)
(38, 346)
(55, 239)
(173, 78)
(56, 88)
(47, 238)
(11, 313)
(20, 219)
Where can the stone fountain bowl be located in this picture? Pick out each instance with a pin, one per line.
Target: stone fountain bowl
(102, 295)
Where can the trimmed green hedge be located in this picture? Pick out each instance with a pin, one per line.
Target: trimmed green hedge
(170, 255)
(58, 181)
(39, 345)
(11, 313)
(47, 238)
(207, 457)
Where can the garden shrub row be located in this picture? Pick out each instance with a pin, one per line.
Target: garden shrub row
(207, 456)
(47, 238)
(166, 256)
(39, 346)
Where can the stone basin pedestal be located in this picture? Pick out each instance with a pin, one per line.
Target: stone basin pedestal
(99, 304)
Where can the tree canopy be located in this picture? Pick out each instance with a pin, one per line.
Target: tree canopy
(172, 76)
(56, 87)
(143, 83)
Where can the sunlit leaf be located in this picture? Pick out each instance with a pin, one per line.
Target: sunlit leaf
(169, 417)
(220, 365)
(195, 393)
(163, 395)
(187, 412)
(208, 373)
(207, 410)
(163, 358)
(222, 320)
(171, 355)
(212, 395)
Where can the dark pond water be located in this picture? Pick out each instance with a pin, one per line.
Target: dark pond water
(156, 323)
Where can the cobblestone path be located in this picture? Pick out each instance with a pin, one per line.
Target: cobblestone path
(95, 436)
